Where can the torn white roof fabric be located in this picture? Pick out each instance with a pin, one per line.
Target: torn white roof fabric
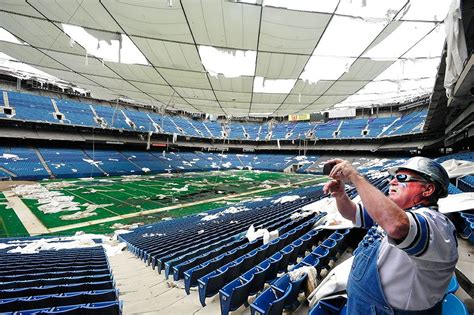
(234, 58)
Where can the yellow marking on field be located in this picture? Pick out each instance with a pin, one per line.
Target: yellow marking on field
(177, 206)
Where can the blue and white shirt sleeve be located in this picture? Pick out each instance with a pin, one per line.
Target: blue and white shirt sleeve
(417, 240)
(362, 218)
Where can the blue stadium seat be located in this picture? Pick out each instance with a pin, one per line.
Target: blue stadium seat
(330, 306)
(271, 301)
(452, 305)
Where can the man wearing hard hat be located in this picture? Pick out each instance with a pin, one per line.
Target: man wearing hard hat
(407, 259)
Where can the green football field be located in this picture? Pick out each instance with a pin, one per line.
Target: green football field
(104, 202)
(10, 225)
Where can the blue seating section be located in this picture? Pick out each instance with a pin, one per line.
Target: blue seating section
(282, 131)
(113, 116)
(465, 156)
(146, 160)
(67, 163)
(352, 128)
(4, 174)
(326, 130)
(140, 120)
(236, 292)
(184, 239)
(270, 302)
(216, 256)
(277, 253)
(302, 130)
(23, 162)
(31, 107)
(57, 281)
(330, 306)
(76, 113)
(407, 124)
(452, 190)
(453, 305)
(113, 162)
(73, 163)
(467, 226)
(185, 126)
(253, 130)
(376, 126)
(466, 183)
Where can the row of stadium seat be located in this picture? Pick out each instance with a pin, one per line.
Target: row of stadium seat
(67, 163)
(161, 248)
(28, 107)
(57, 281)
(234, 266)
(283, 293)
(72, 163)
(109, 308)
(218, 272)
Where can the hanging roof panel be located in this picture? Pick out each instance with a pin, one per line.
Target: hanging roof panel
(308, 88)
(223, 23)
(38, 33)
(226, 96)
(271, 57)
(239, 84)
(85, 13)
(154, 89)
(366, 69)
(268, 98)
(189, 79)
(117, 84)
(346, 88)
(169, 54)
(280, 66)
(189, 93)
(29, 55)
(82, 64)
(288, 31)
(151, 19)
(140, 73)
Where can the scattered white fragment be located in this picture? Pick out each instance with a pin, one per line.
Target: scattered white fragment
(286, 199)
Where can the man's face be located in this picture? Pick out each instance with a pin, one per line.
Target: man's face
(406, 194)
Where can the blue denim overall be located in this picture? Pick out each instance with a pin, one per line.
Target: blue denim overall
(364, 290)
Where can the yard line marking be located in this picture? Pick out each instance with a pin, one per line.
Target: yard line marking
(89, 201)
(32, 223)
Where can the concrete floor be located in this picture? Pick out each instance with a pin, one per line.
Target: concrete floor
(144, 291)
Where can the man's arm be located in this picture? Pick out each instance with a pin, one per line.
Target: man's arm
(381, 209)
(345, 206)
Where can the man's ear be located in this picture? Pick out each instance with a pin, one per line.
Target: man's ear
(430, 189)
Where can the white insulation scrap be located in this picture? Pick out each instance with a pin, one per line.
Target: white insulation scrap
(80, 240)
(89, 212)
(121, 226)
(50, 201)
(92, 162)
(133, 178)
(59, 185)
(229, 210)
(13, 157)
(286, 199)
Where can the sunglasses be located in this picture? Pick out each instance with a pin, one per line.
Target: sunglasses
(403, 178)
